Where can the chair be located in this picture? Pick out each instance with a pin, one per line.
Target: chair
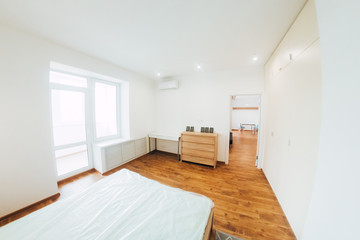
(241, 127)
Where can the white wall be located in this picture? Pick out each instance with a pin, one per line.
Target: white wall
(293, 117)
(204, 99)
(246, 101)
(335, 210)
(27, 170)
(244, 116)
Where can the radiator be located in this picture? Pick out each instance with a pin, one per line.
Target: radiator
(111, 154)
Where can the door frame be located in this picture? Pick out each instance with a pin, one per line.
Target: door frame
(87, 142)
(260, 142)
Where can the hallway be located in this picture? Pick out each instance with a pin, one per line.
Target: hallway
(243, 150)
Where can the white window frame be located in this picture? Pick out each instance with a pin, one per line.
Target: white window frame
(90, 121)
(118, 110)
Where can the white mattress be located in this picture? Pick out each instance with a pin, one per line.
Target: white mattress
(124, 205)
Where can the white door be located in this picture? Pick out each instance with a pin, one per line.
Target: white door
(68, 108)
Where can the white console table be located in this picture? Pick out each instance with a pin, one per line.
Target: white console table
(165, 136)
(252, 126)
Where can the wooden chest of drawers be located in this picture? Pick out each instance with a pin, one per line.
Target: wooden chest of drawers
(199, 147)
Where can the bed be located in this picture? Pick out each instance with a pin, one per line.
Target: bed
(124, 205)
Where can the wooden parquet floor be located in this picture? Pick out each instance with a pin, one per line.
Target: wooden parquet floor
(245, 205)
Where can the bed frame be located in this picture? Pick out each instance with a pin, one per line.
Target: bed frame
(209, 226)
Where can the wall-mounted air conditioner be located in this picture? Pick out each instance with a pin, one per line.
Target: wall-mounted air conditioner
(169, 84)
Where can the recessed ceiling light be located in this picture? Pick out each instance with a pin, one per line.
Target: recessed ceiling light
(255, 58)
(198, 66)
(158, 74)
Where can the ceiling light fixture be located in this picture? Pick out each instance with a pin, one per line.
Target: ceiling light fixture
(198, 66)
(158, 74)
(255, 58)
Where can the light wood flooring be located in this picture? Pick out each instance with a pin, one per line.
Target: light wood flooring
(245, 205)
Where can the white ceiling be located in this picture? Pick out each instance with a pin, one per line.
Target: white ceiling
(166, 36)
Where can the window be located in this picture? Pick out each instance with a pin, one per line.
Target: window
(66, 79)
(84, 110)
(105, 110)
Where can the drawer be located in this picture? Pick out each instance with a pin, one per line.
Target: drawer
(199, 146)
(198, 139)
(200, 160)
(197, 153)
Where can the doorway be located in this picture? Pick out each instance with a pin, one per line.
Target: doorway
(244, 129)
(68, 110)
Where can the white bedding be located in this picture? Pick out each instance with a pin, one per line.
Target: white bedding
(124, 205)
